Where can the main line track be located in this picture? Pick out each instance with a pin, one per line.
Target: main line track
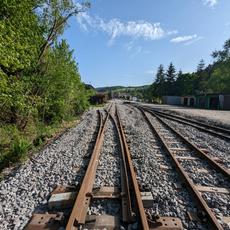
(133, 213)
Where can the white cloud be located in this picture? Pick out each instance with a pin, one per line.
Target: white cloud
(210, 3)
(116, 28)
(181, 39)
(193, 41)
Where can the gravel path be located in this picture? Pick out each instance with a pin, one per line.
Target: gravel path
(28, 189)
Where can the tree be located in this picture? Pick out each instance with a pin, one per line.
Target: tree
(200, 66)
(177, 84)
(222, 55)
(20, 36)
(160, 81)
(213, 78)
(54, 18)
(179, 74)
(61, 93)
(28, 33)
(170, 79)
(201, 75)
(160, 76)
(171, 73)
(219, 80)
(28, 28)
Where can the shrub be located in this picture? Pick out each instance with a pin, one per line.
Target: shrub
(18, 150)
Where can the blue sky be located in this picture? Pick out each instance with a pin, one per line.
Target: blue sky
(123, 42)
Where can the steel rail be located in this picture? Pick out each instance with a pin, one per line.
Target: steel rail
(141, 210)
(79, 211)
(214, 130)
(193, 147)
(127, 212)
(213, 222)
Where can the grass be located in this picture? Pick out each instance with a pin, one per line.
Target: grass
(15, 145)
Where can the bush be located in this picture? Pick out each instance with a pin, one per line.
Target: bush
(43, 132)
(18, 150)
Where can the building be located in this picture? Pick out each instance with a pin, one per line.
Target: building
(171, 100)
(98, 98)
(225, 102)
(208, 101)
(213, 101)
(188, 101)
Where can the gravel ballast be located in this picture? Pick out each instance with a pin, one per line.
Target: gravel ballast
(212, 117)
(108, 172)
(59, 163)
(64, 162)
(147, 156)
(217, 147)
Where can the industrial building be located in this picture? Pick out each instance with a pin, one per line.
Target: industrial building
(208, 101)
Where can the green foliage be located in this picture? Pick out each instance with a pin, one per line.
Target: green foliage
(61, 92)
(13, 146)
(219, 81)
(170, 80)
(159, 84)
(20, 35)
(214, 78)
(54, 17)
(40, 85)
(171, 73)
(201, 66)
(18, 150)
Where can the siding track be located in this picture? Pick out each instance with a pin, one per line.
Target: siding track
(187, 157)
(214, 130)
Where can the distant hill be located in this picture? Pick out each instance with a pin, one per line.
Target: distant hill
(121, 88)
(109, 88)
(88, 86)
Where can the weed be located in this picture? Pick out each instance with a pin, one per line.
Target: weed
(18, 150)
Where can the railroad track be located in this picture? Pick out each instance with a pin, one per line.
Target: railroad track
(211, 129)
(191, 163)
(214, 146)
(69, 208)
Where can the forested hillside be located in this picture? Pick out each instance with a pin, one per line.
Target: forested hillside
(212, 78)
(40, 85)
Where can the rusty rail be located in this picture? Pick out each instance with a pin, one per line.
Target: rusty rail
(212, 162)
(128, 183)
(213, 222)
(127, 212)
(83, 199)
(143, 218)
(193, 147)
(214, 130)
